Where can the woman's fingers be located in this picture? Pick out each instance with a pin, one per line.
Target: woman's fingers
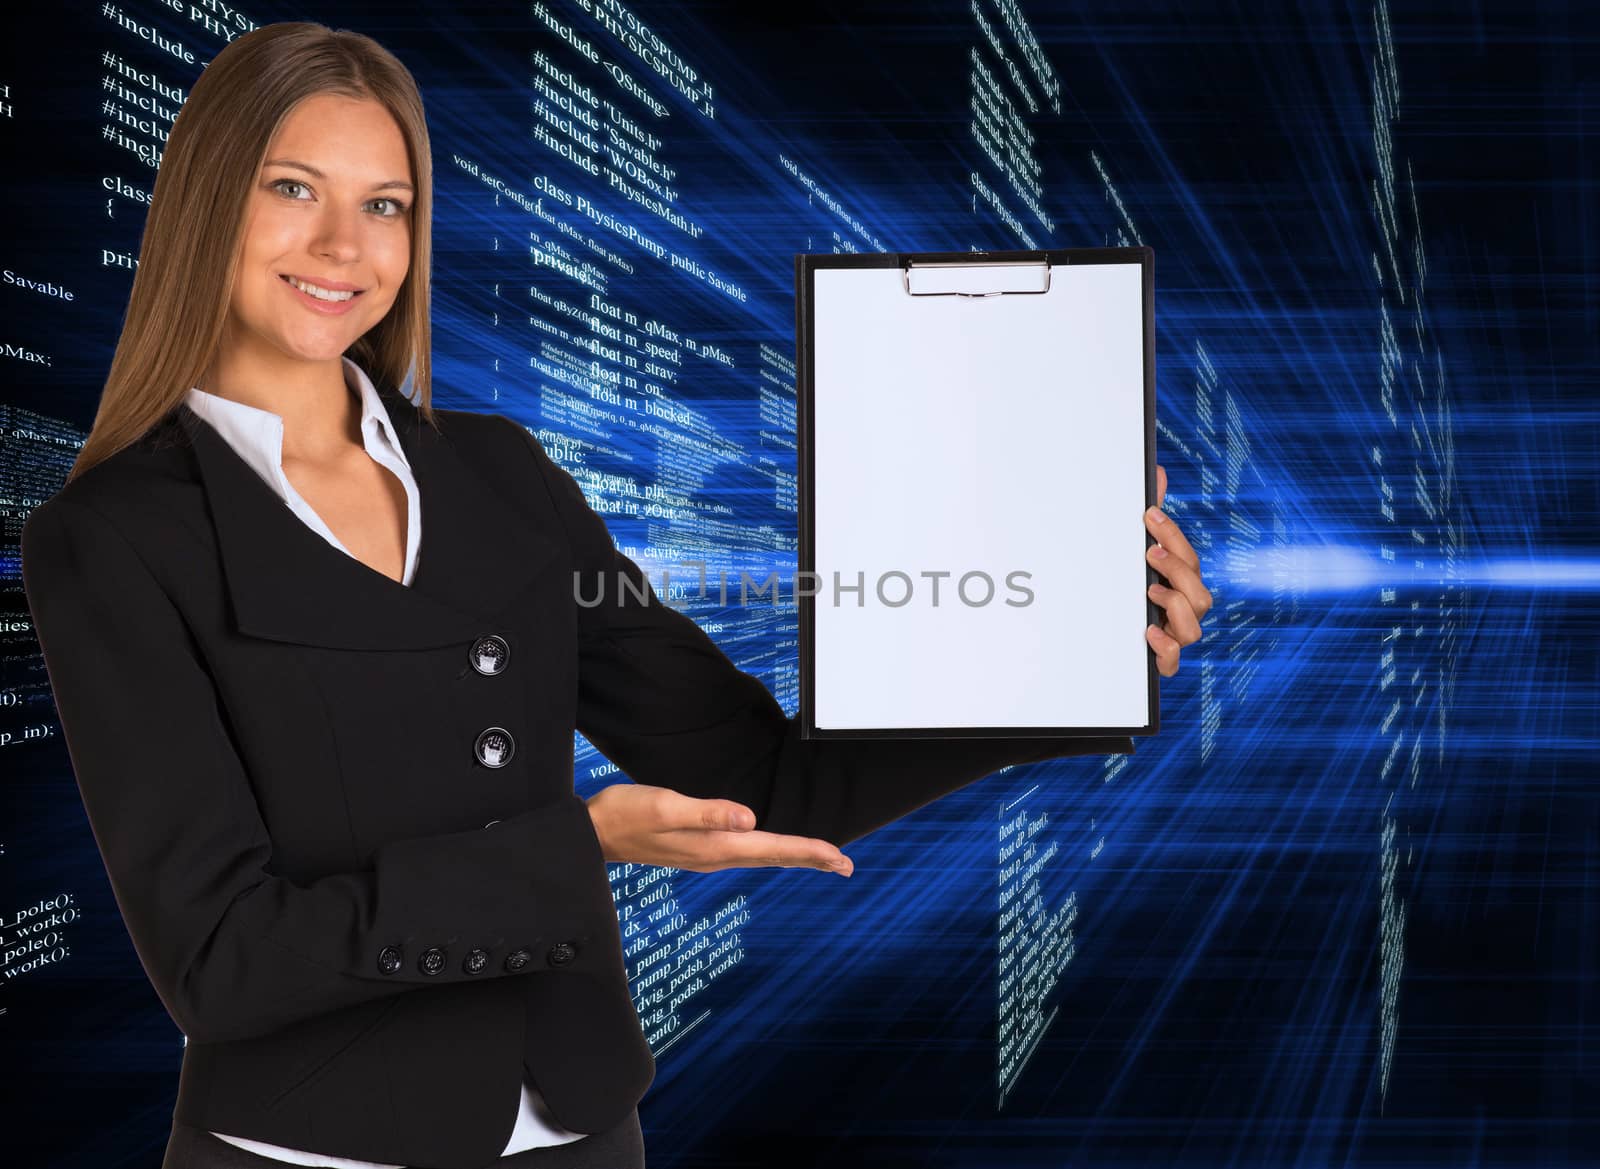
(1170, 537)
(1185, 596)
(711, 851)
(775, 848)
(1174, 558)
(673, 809)
(660, 826)
(1181, 624)
(1167, 650)
(725, 815)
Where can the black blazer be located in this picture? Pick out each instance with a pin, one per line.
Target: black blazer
(365, 932)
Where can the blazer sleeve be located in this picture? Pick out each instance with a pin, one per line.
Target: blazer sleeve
(662, 701)
(232, 949)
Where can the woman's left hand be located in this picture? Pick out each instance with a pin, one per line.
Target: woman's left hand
(1185, 596)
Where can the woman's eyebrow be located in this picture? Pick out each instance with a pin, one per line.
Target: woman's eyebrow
(401, 184)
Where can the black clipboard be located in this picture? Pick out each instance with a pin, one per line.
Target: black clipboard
(968, 417)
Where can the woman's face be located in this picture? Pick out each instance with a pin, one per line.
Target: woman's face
(331, 207)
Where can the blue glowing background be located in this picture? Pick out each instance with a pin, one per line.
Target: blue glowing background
(1343, 909)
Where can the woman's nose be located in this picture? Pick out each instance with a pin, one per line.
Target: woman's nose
(338, 233)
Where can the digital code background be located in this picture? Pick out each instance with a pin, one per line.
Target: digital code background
(1342, 910)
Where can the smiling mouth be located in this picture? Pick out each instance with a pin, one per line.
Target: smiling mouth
(337, 297)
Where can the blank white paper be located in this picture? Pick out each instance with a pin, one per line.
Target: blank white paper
(993, 435)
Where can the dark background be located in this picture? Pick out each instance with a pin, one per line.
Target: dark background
(1224, 1002)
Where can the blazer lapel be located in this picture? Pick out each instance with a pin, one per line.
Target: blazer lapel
(287, 583)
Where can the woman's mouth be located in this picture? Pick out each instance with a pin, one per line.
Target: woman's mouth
(323, 300)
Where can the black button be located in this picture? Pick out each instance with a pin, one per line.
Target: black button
(489, 654)
(476, 961)
(517, 959)
(432, 960)
(561, 953)
(390, 959)
(494, 747)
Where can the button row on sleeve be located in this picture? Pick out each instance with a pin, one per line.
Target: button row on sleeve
(435, 958)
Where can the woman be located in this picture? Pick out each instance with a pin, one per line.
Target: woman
(317, 659)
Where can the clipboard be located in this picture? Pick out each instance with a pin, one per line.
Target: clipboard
(976, 451)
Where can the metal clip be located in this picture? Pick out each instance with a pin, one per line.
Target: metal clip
(905, 276)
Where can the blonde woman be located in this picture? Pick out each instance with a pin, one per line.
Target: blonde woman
(318, 659)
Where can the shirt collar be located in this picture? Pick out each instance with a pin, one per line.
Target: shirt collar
(372, 407)
(258, 434)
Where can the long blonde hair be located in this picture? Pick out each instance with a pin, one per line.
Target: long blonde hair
(189, 253)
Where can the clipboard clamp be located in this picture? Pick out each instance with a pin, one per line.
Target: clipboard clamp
(905, 276)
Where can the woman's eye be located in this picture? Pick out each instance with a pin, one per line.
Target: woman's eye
(398, 208)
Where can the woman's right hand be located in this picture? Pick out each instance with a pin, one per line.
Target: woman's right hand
(659, 826)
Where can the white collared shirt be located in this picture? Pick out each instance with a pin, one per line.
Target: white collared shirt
(257, 435)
